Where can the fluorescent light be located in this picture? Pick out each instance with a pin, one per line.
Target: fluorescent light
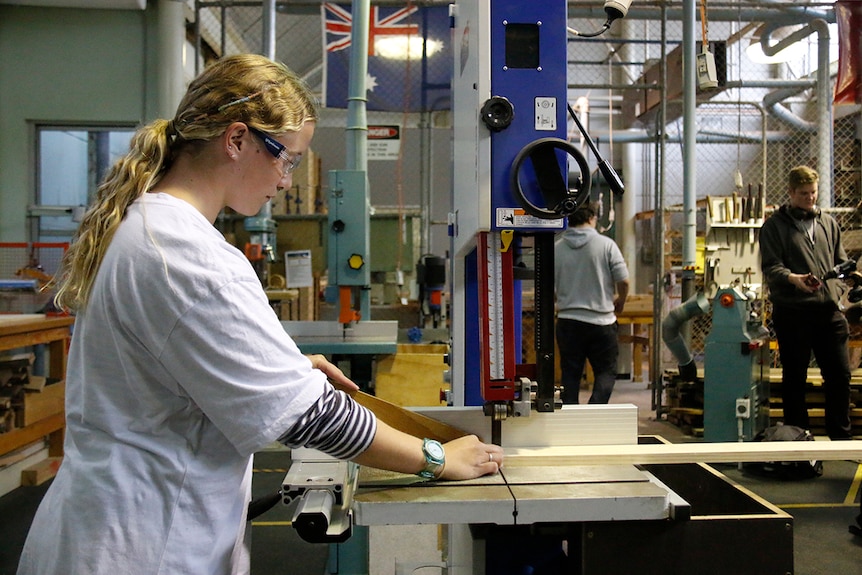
(405, 47)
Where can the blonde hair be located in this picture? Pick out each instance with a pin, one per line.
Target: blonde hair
(800, 176)
(245, 88)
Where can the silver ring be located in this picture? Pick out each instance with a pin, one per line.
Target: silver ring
(490, 457)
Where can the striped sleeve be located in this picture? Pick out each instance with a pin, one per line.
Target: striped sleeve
(335, 425)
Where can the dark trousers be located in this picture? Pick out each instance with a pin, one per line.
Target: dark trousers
(824, 331)
(579, 341)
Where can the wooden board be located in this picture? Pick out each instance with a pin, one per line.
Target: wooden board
(39, 405)
(409, 422)
(686, 453)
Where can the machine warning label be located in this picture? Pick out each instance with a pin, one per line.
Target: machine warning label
(518, 218)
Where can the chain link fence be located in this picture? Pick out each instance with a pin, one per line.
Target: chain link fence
(761, 119)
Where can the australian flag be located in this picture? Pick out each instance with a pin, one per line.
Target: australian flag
(399, 79)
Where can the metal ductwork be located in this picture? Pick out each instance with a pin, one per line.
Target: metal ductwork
(822, 126)
(673, 338)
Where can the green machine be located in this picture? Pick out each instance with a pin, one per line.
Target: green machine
(736, 370)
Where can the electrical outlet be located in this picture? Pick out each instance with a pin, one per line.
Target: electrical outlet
(743, 408)
(707, 77)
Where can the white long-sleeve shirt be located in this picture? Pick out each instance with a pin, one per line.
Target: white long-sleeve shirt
(178, 372)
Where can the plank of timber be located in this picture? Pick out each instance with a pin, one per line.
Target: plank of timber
(24, 435)
(686, 411)
(815, 412)
(686, 453)
(409, 422)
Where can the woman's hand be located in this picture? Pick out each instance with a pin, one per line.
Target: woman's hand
(467, 458)
(333, 373)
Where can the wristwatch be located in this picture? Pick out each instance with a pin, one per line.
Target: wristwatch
(435, 459)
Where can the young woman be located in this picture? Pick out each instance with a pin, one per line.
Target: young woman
(179, 370)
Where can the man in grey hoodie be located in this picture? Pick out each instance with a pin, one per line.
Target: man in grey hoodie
(591, 284)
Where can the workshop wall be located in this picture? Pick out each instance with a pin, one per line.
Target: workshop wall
(63, 66)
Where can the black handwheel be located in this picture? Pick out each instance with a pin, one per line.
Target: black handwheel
(560, 200)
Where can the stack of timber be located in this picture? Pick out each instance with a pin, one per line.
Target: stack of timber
(14, 378)
(816, 399)
(26, 400)
(684, 401)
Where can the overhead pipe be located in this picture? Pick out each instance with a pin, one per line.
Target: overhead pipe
(780, 13)
(822, 126)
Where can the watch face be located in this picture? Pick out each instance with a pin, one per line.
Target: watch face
(434, 449)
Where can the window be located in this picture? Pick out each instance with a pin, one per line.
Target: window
(71, 162)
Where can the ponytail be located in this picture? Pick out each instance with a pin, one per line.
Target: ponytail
(245, 88)
(127, 179)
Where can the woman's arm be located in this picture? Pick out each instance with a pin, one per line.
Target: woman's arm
(466, 457)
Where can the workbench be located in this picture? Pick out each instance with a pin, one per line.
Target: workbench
(638, 312)
(26, 330)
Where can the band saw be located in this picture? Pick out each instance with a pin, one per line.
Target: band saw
(580, 492)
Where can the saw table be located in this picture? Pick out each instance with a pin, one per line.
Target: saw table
(577, 502)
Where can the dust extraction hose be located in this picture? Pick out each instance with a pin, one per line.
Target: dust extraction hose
(670, 332)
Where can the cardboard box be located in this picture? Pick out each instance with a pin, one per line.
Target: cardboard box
(39, 405)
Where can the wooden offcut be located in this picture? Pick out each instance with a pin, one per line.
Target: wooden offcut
(39, 473)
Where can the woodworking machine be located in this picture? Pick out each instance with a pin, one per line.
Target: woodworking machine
(516, 179)
(736, 370)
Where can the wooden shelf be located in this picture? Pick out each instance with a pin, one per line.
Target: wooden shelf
(27, 330)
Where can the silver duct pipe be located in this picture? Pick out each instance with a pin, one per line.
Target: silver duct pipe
(689, 134)
(268, 37)
(170, 82)
(357, 97)
(261, 227)
(672, 337)
(823, 124)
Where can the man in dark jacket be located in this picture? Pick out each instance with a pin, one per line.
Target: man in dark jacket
(798, 246)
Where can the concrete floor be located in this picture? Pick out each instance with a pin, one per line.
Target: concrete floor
(822, 509)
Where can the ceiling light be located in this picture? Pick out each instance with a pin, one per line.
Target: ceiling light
(405, 47)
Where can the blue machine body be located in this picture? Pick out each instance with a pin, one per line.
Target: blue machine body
(736, 371)
(524, 53)
(528, 68)
(348, 218)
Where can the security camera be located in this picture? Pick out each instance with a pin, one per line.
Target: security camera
(617, 9)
